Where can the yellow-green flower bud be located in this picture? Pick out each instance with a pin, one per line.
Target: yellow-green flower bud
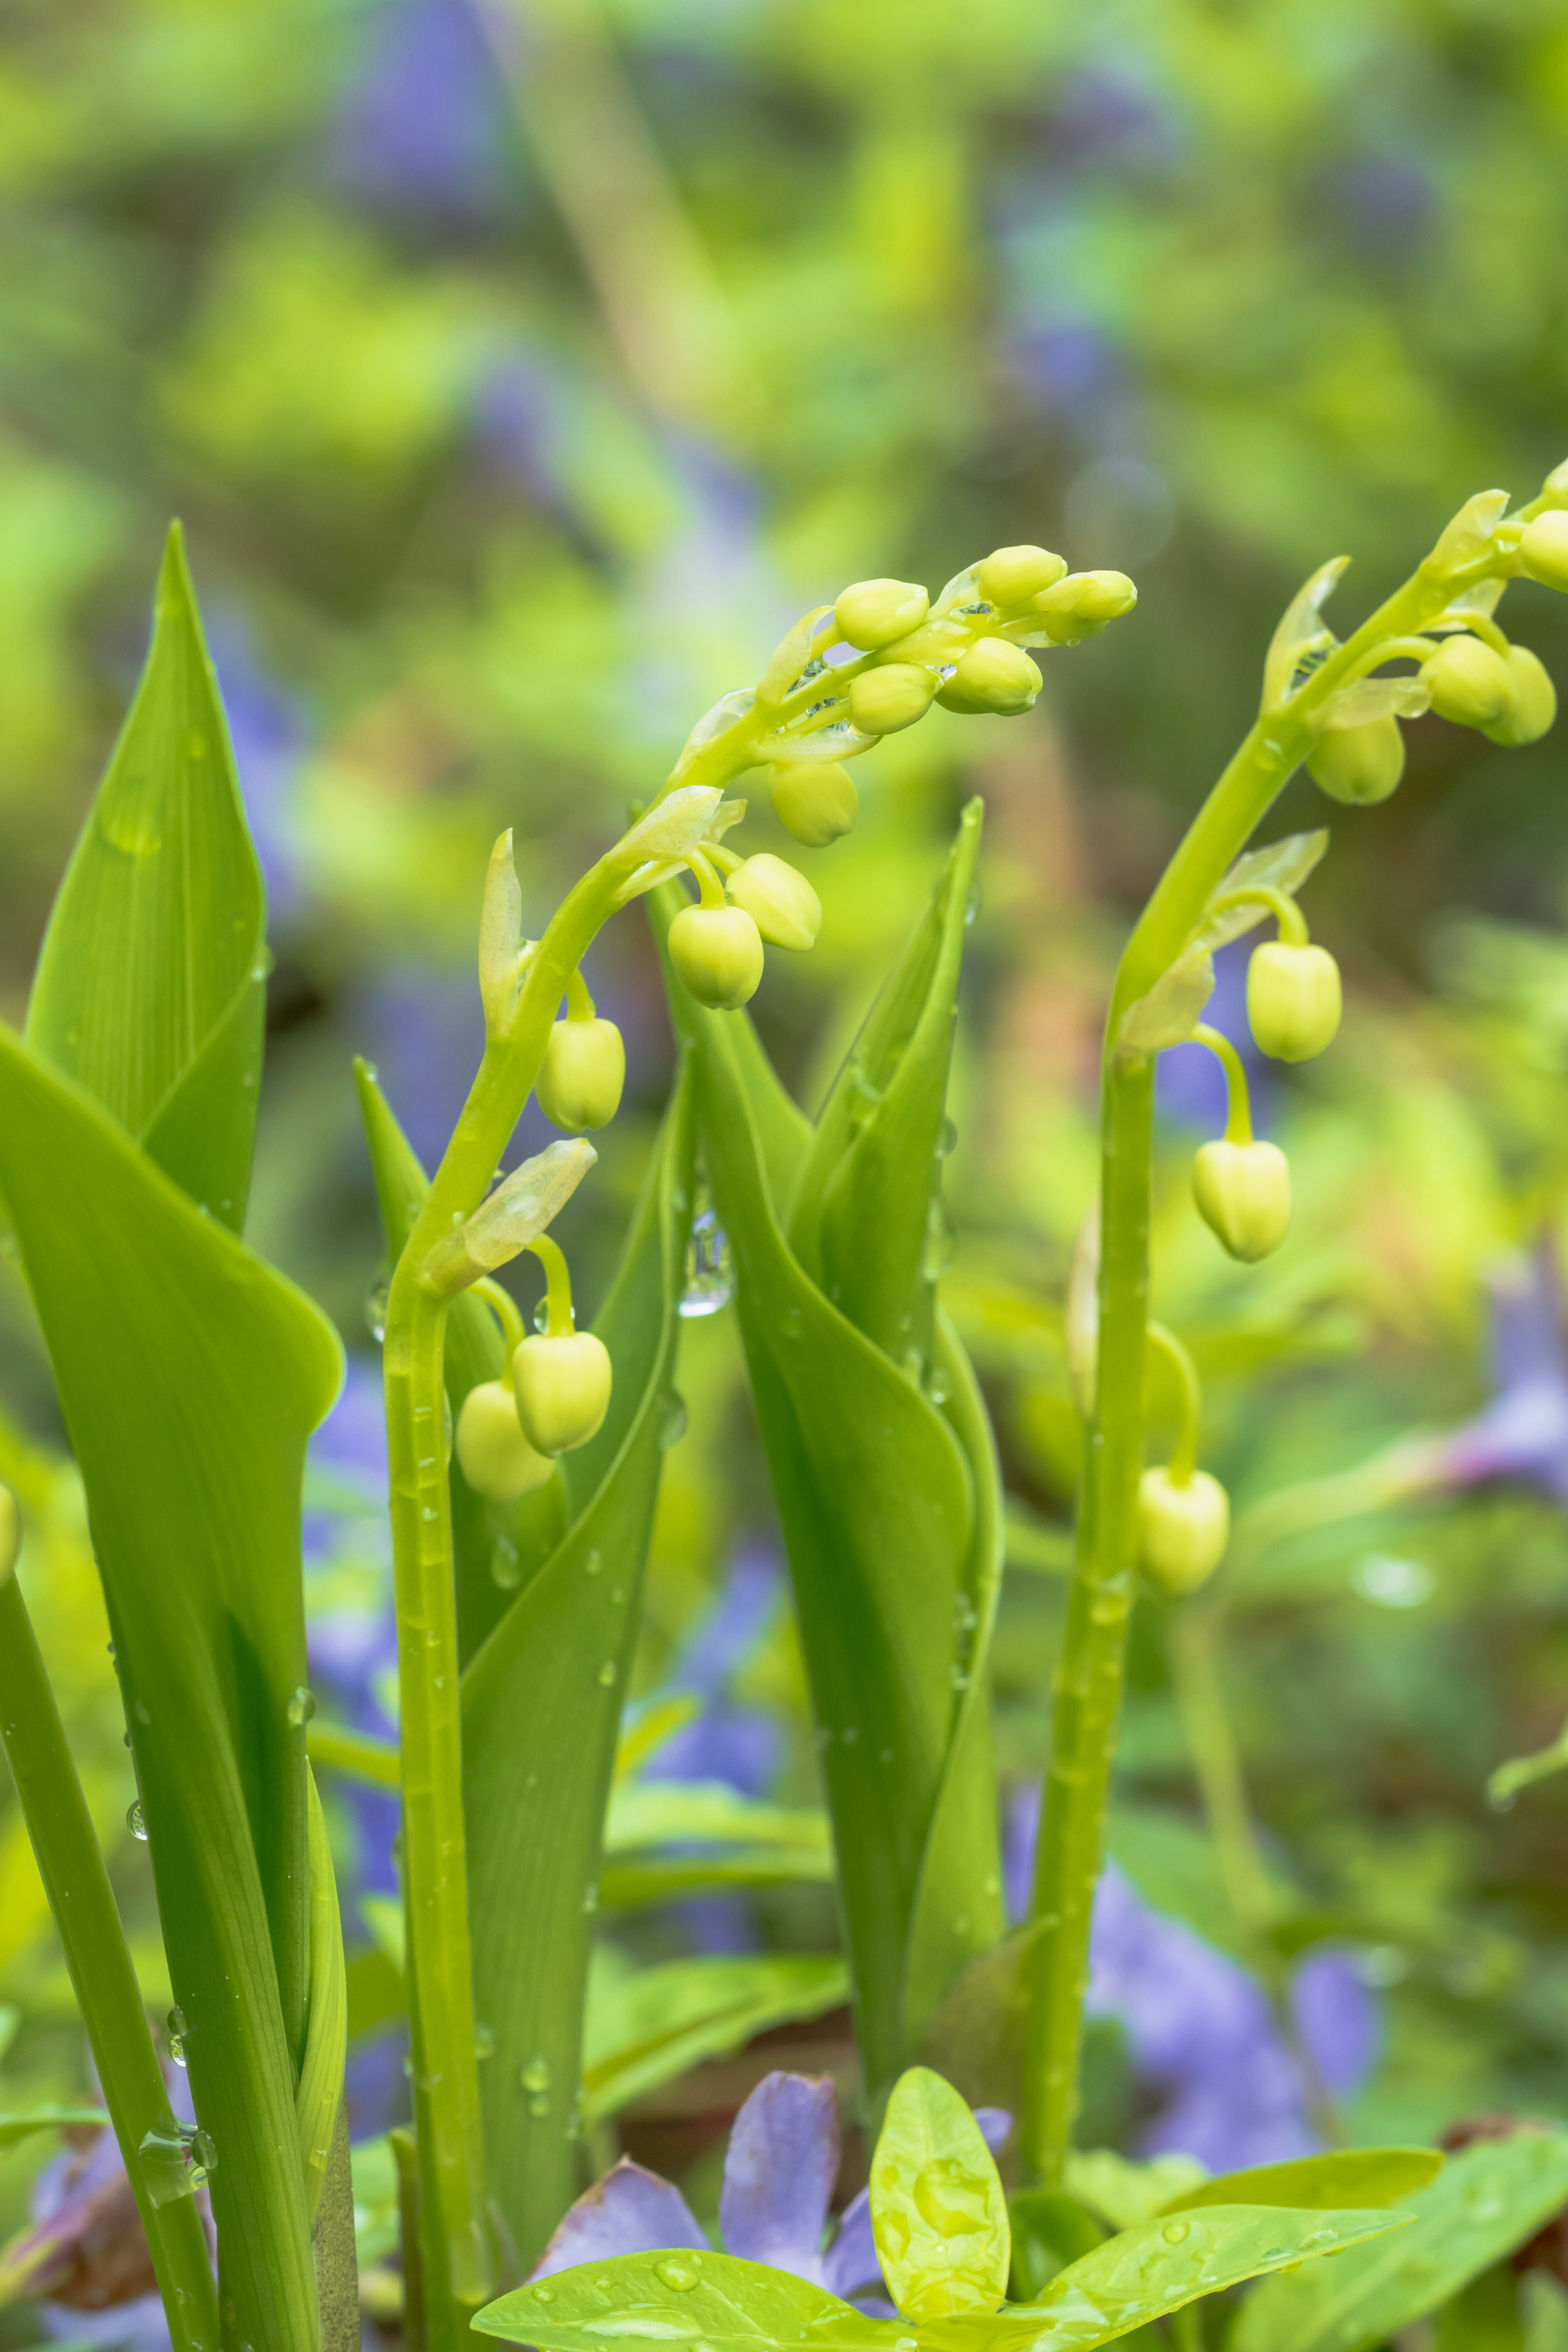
(1243, 1193)
(1358, 765)
(1012, 574)
(1083, 603)
(994, 675)
(816, 800)
(1534, 704)
(1293, 1000)
(493, 1454)
(10, 1532)
(873, 612)
(1544, 550)
(1182, 1530)
(781, 902)
(1471, 684)
(562, 1389)
(882, 701)
(717, 953)
(580, 1079)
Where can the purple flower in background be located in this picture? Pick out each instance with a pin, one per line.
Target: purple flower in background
(1203, 2038)
(728, 1741)
(1523, 1431)
(1189, 1083)
(427, 123)
(270, 735)
(779, 2171)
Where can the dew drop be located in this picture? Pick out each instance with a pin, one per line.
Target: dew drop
(677, 2274)
(136, 1821)
(594, 1563)
(539, 2107)
(484, 2042)
(302, 1706)
(141, 1713)
(672, 1428)
(506, 1568)
(941, 1240)
(174, 2034)
(536, 2075)
(375, 1299)
(710, 1265)
(1174, 2232)
(542, 1315)
(607, 1674)
(545, 2295)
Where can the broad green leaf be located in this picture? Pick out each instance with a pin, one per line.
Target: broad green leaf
(938, 2210)
(1279, 865)
(685, 2298)
(652, 2024)
(150, 988)
(656, 1812)
(190, 1375)
(1050, 2229)
(1485, 2316)
(14, 2127)
(1488, 2199)
(667, 1878)
(977, 2034)
(1362, 2177)
(1159, 2266)
(1125, 2192)
(889, 1503)
(497, 1545)
(541, 1708)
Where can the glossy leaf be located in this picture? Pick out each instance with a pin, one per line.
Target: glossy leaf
(541, 1706)
(1488, 2199)
(976, 2037)
(190, 1375)
(684, 2297)
(150, 989)
(652, 2024)
(1155, 2267)
(937, 2212)
(1341, 2177)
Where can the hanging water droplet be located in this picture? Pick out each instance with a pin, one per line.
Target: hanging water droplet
(136, 1821)
(484, 2040)
(506, 1568)
(536, 2075)
(672, 1428)
(863, 1098)
(591, 1899)
(607, 1673)
(375, 1306)
(302, 1706)
(594, 1562)
(946, 1138)
(539, 2107)
(1174, 2232)
(676, 2271)
(175, 2033)
(973, 904)
(140, 1712)
(709, 1265)
(545, 2295)
(940, 1242)
(203, 2156)
(161, 2155)
(542, 1315)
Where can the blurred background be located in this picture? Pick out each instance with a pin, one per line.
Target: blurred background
(519, 370)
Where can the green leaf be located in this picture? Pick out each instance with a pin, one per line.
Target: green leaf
(891, 1505)
(664, 1878)
(1488, 2199)
(937, 2212)
(1155, 2267)
(1050, 2229)
(684, 2298)
(651, 2024)
(1123, 2193)
(1282, 864)
(541, 1706)
(976, 2036)
(190, 1375)
(706, 1812)
(1362, 2177)
(19, 2127)
(150, 988)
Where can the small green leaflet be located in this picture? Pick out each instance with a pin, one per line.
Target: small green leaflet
(1487, 2200)
(1341, 2177)
(1282, 864)
(650, 2024)
(685, 2298)
(938, 2210)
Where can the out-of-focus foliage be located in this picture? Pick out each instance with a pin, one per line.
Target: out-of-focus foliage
(518, 371)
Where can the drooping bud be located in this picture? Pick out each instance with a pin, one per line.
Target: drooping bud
(1293, 1000)
(1533, 707)
(1358, 765)
(873, 612)
(1183, 1529)
(995, 676)
(1471, 684)
(562, 1390)
(717, 953)
(814, 799)
(1544, 550)
(1011, 576)
(582, 1074)
(781, 902)
(1079, 605)
(882, 701)
(493, 1454)
(1243, 1193)
(10, 1532)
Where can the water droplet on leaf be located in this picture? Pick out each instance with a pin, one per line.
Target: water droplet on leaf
(672, 1428)
(136, 1821)
(375, 1299)
(506, 1568)
(675, 2273)
(1174, 2232)
(607, 1673)
(709, 1266)
(302, 1706)
(536, 2075)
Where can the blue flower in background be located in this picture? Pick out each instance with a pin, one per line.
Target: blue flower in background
(426, 124)
(1523, 1431)
(1189, 1083)
(270, 737)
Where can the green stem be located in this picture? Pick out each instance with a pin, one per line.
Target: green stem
(580, 1005)
(1292, 923)
(1184, 1458)
(82, 1901)
(1091, 1669)
(1239, 1095)
(559, 1323)
(504, 1308)
(459, 2253)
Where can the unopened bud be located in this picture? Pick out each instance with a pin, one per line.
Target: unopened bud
(1358, 765)
(882, 701)
(1533, 706)
(582, 1074)
(718, 954)
(1471, 684)
(994, 675)
(1083, 603)
(781, 902)
(873, 612)
(493, 1454)
(562, 1390)
(1243, 1193)
(1293, 1000)
(1544, 550)
(10, 1532)
(1183, 1529)
(814, 799)
(1011, 576)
